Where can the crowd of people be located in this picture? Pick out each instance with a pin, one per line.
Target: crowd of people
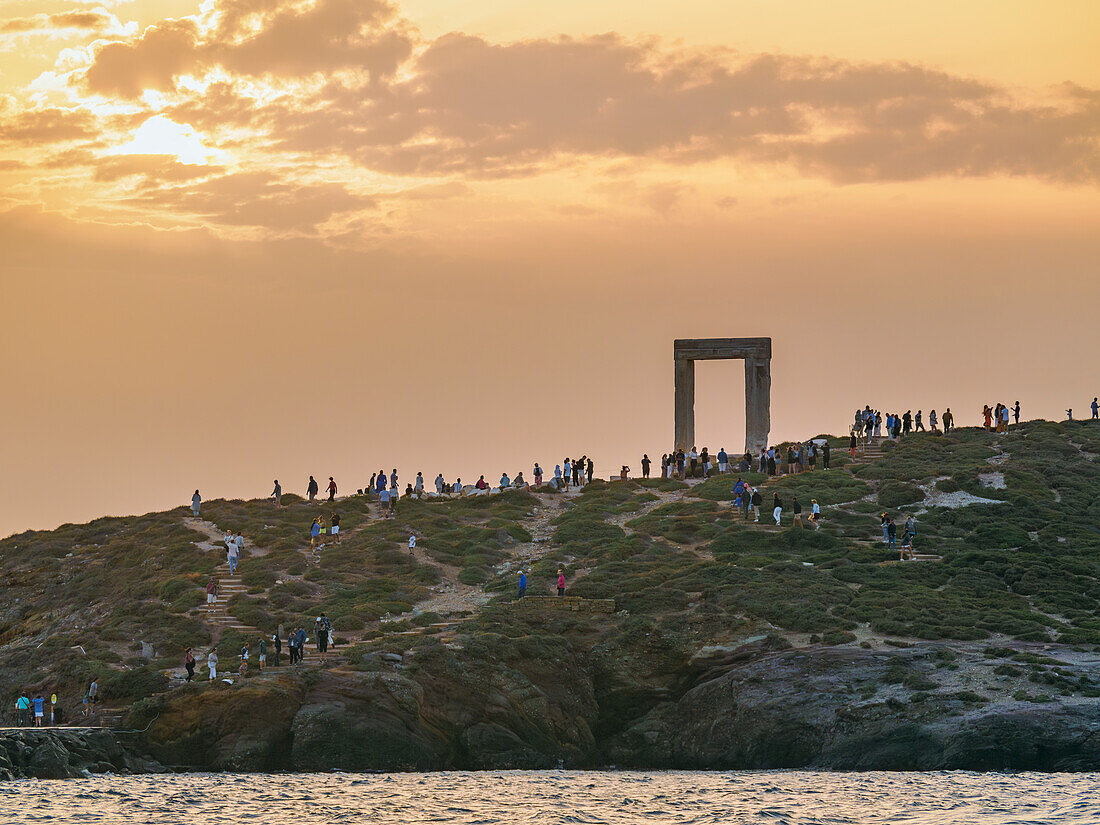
(257, 657)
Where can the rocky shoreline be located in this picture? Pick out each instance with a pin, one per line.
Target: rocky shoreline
(744, 707)
(67, 753)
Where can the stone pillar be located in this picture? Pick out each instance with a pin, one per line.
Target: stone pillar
(758, 400)
(685, 403)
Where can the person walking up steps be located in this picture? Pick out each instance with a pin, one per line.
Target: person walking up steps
(232, 553)
(825, 455)
(212, 663)
(331, 489)
(189, 664)
(196, 503)
(777, 508)
(522, 591)
(311, 489)
(211, 594)
(796, 508)
(815, 514)
(757, 500)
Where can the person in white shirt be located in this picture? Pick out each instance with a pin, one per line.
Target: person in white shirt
(458, 486)
(439, 484)
(232, 553)
(212, 663)
(239, 541)
(418, 487)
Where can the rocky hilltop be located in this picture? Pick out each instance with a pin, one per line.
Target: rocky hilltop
(690, 638)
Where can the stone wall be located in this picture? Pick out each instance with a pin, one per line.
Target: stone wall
(570, 603)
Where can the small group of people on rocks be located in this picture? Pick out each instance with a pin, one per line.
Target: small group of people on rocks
(41, 712)
(998, 418)
(296, 646)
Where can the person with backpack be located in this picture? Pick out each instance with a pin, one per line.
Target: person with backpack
(311, 489)
(522, 588)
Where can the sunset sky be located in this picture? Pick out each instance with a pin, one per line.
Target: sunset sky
(256, 239)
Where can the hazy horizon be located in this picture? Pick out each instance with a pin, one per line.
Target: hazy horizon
(249, 239)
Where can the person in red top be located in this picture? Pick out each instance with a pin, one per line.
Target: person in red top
(988, 413)
(331, 489)
(561, 582)
(482, 484)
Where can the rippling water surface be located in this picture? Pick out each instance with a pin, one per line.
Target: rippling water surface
(548, 797)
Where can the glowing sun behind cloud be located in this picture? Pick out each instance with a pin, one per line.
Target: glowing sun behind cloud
(160, 135)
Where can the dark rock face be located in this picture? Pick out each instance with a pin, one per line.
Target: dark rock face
(804, 709)
(753, 706)
(59, 753)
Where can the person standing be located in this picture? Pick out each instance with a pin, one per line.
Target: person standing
(907, 422)
(891, 533)
(723, 460)
(418, 487)
(196, 503)
(1005, 413)
(825, 455)
(277, 643)
(1016, 411)
(211, 593)
(22, 710)
(694, 457)
(537, 473)
(567, 468)
(440, 484)
(578, 471)
(757, 500)
(39, 710)
(334, 525)
(322, 639)
(1095, 410)
(314, 533)
(796, 508)
(561, 582)
(522, 590)
(777, 508)
(588, 470)
(948, 421)
(277, 494)
(189, 664)
(311, 489)
(331, 489)
(645, 465)
(932, 420)
(292, 646)
(212, 663)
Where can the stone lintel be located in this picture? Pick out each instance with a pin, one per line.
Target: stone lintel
(708, 349)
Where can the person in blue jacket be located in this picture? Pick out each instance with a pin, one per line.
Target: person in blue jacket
(522, 585)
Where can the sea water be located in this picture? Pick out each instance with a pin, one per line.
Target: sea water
(549, 797)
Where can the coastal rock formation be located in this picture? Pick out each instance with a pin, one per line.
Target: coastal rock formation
(59, 753)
